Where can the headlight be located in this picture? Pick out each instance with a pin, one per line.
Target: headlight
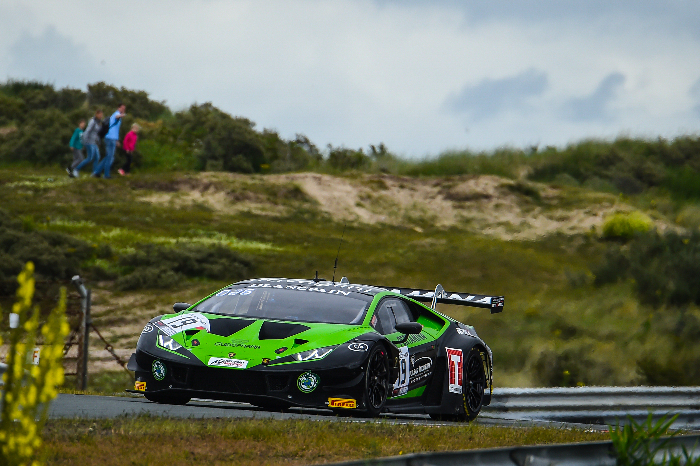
(168, 343)
(317, 353)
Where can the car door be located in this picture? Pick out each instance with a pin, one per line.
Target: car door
(416, 360)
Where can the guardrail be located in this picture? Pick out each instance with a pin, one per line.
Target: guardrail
(597, 405)
(597, 398)
(577, 454)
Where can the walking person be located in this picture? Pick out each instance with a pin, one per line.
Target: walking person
(91, 140)
(129, 145)
(76, 144)
(111, 140)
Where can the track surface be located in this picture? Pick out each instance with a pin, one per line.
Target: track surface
(96, 407)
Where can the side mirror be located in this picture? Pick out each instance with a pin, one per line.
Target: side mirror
(409, 328)
(179, 307)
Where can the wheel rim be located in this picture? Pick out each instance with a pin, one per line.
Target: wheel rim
(377, 379)
(476, 381)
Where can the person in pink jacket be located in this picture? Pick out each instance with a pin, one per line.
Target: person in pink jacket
(129, 146)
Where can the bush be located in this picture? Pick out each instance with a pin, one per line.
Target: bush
(341, 158)
(165, 267)
(625, 226)
(56, 256)
(665, 268)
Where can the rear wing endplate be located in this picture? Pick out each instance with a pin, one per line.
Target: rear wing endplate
(494, 303)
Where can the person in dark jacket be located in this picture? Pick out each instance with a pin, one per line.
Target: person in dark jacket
(91, 140)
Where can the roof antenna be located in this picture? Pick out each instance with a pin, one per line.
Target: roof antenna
(335, 266)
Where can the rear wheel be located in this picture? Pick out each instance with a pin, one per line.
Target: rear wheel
(473, 387)
(167, 398)
(376, 387)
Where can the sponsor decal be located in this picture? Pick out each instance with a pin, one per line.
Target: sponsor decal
(307, 382)
(147, 329)
(140, 386)
(358, 347)
(421, 369)
(228, 362)
(281, 350)
(465, 331)
(455, 362)
(158, 369)
(238, 292)
(348, 403)
(401, 384)
(232, 355)
(195, 342)
(237, 344)
(317, 288)
(187, 321)
(266, 361)
(165, 328)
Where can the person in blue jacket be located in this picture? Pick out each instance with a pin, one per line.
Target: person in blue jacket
(111, 140)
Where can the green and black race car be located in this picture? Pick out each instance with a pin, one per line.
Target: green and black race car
(278, 343)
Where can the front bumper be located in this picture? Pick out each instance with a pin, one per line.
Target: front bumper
(261, 385)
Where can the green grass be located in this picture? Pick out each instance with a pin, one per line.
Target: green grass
(149, 440)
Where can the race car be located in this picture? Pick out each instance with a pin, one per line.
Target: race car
(356, 349)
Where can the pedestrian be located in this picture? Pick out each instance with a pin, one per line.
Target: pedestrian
(76, 144)
(129, 145)
(91, 140)
(111, 140)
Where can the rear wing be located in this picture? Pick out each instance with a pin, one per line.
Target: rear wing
(494, 303)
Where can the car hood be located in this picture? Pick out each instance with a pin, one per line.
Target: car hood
(241, 343)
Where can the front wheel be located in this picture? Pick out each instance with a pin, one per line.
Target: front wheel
(376, 383)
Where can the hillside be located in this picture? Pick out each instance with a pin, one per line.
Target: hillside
(595, 245)
(538, 244)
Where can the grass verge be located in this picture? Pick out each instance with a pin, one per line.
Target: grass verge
(150, 440)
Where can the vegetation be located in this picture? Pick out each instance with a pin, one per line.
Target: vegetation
(641, 444)
(28, 388)
(183, 225)
(147, 440)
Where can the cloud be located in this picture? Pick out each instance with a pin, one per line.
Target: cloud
(492, 96)
(54, 58)
(595, 106)
(695, 94)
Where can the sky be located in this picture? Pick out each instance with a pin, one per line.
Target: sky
(421, 77)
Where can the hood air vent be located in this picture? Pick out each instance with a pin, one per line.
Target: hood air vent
(227, 327)
(278, 331)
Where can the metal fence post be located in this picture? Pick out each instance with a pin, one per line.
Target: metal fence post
(84, 343)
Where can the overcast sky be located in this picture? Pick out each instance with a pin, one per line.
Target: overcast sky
(422, 77)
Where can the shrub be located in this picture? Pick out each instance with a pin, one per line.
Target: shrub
(341, 158)
(665, 268)
(28, 389)
(155, 266)
(56, 256)
(625, 226)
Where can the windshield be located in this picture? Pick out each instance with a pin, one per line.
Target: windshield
(309, 305)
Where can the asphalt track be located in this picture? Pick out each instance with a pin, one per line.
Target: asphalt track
(108, 407)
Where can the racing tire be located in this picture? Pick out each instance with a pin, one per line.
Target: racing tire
(376, 382)
(474, 385)
(473, 388)
(167, 399)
